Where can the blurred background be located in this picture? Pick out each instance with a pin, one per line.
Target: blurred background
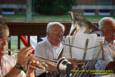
(55, 10)
(29, 17)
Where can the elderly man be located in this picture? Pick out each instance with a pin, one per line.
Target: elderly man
(107, 27)
(9, 66)
(51, 46)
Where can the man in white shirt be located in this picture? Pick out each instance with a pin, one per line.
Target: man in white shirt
(107, 27)
(11, 66)
(51, 46)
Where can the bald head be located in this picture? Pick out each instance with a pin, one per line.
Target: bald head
(107, 26)
(106, 21)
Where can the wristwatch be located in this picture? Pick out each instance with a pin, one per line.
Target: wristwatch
(19, 66)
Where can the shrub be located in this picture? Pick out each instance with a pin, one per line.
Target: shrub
(52, 7)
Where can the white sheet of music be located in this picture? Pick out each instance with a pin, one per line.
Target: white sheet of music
(79, 41)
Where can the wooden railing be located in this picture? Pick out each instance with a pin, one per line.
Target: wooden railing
(31, 29)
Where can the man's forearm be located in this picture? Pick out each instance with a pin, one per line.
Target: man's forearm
(14, 72)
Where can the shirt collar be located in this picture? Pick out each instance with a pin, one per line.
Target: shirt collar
(46, 38)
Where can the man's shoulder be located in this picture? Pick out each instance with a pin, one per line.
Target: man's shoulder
(41, 43)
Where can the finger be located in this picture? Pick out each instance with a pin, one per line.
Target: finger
(35, 62)
(27, 51)
(23, 50)
(31, 67)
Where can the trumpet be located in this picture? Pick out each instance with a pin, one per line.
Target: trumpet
(14, 52)
(48, 65)
(10, 51)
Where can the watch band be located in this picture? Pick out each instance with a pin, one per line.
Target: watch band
(19, 66)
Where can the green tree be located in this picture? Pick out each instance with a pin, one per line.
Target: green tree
(52, 7)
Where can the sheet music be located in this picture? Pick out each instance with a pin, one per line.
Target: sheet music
(79, 41)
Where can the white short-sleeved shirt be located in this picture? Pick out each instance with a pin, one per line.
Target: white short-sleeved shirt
(46, 50)
(7, 63)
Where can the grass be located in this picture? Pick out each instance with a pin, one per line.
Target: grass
(45, 18)
(38, 18)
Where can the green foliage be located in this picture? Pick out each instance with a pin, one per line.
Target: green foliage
(52, 7)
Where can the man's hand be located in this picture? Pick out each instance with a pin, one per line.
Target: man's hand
(51, 66)
(23, 55)
(76, 62)
(34, 63)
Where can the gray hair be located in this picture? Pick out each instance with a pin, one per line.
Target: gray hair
(50, 25)
(103, 20)
(3, 27)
